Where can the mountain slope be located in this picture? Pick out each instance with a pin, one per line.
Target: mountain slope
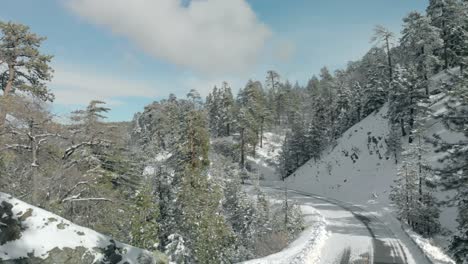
(357, 169)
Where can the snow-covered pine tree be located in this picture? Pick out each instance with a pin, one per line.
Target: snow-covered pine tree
(382, 34)
(355, 114)
(375, 87)
(454, 174)
(273, 89)
(251, 102)
(406, 98)
(294, 153)
(144, 226)
(343, 105)
(23, 68)
(419, 42)
(227, 108)
(220, 107)
(212, 106)
(414, 201)
(393, 141)
(375, 92)
(449, 17)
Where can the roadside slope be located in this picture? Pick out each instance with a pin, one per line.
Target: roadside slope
(32, 234)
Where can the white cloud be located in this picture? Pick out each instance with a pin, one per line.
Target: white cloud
(205, 85)
(211, 36)
(285, 50)
(74, 85)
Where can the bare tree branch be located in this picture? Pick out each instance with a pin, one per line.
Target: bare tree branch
(16, 146)
(89, 199)
(65, 196)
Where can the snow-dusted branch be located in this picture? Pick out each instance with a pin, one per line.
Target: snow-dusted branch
(65, 196)
(88, 199)
(69, 151)
(15, 146)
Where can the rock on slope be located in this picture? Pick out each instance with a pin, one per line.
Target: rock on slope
(31, 235)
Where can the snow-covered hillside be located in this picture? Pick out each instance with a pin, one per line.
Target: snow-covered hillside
(358, 169)
(28, 232)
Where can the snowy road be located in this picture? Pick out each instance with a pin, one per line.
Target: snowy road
(355, 235)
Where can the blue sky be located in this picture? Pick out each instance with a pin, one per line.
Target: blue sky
(130, 53)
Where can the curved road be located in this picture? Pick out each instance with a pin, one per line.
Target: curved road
(355, 235)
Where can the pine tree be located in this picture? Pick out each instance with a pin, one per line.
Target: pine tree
(144, 224)
(375, 87)
(406, 96)
(22, 66)
(415, 204)
(393, 141)
(420, 40)
(375, 93)
(251, 117)
(449, 17)
(382, 34)
(454, 174)
(201, 224)
(227, 109)
(275, 96)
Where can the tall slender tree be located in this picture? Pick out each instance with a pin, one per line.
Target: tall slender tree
(26, 69)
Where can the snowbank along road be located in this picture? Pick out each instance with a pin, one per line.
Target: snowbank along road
(356, 236)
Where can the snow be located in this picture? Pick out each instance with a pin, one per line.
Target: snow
(158, 159)
(45, 231)
(433, 252)
(267, 157)
(307, 247)
(358, 170)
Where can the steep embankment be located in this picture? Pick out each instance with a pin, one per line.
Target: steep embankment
(31, 235)
(358, 169)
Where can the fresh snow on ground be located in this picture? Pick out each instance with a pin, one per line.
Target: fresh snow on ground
(433, 252)
(267, 157)
(358, 170)
(45, 231)
(307, 247)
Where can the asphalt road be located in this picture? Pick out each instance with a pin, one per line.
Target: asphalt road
(355, 235)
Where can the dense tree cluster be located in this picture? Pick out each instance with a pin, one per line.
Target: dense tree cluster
(204, 215)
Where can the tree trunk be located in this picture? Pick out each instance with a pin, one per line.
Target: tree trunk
(261, 132)
(402, 124)
(426, 84)
(6, 94)
(242, 161)
(411, 122)
(228, 129)
(446, 66)
(286, 220)
(254, 150)
(389, 58)
(34, 165)
(420, 171)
